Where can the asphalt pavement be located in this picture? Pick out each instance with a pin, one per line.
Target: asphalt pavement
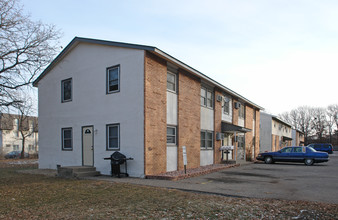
(289, 181)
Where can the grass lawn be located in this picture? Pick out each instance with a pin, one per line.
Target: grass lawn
(27, 196)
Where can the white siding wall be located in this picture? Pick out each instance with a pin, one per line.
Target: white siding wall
(207, 119)
(241, 122)
(276, 130)
(207, 157)
(171, 108)
(86, 65)
(172, 120)
(207, 123)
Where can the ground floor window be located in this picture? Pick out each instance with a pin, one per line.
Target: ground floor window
(113, 137)
(67, 139)
(15, 147)
(171, 135)
(207, 138)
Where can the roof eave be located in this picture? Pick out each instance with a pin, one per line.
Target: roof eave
(202, 76)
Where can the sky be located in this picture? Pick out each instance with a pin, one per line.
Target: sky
(279, 54)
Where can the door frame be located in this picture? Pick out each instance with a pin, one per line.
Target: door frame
(92, 126)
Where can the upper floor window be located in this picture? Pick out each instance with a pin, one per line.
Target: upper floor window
(206, 97)
(66, 90)
(113, 137)
(113, 79)
(67, 139)
(226, 107)
(171, 82)
(241, 112)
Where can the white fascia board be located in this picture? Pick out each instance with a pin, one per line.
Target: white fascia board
(202, 76)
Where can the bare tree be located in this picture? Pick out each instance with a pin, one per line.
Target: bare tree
(26, 47)
(25, 123)
(319, 122)
(305, 121)
(332, 112)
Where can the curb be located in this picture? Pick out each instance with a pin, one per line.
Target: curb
(189, 175)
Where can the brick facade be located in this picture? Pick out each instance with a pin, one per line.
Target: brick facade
(257, 132)
(217, 128)
(155, 114)
(249, 138)
(189, 122)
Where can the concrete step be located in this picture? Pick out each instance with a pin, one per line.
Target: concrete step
(77, 171)
(87, 173)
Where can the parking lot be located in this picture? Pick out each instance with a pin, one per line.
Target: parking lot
(290, 181)
(293, 181)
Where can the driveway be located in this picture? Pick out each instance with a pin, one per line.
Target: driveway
(290, 181)
(279, 181)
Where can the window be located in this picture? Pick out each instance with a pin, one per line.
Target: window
(113, 79)
(171, 135)
(241, 141)
(15, 147)
(8, 145)
(113, 137)
(66, 90)
(286, 150)
(207, 139)
(206, 97)
(67, 139)
(171, 82)
(30, 147)
(241, 111)
(226, 107)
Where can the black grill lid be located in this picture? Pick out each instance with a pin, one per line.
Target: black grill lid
(118, 156)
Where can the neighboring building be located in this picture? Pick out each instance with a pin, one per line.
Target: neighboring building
(10, 135)
(297, 138)
(274, 133)
(99, 96)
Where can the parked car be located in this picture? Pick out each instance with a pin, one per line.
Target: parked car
(322, 147)
(301, 154)
(15, 154)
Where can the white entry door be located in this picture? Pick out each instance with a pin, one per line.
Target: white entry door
(88, 146)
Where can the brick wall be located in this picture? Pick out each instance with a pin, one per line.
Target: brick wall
(189, 119)
(249, 145)
(234, 113)
(155, 114)
(217, 128)
(257, 132)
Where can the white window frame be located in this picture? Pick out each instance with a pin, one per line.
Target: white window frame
(241, 111)
(226, 104)
(204, 139)
(175, 135)
(118, 136)
(108, 79)
(63, 90)
(175, 82)
(63, 139)
(205, 98)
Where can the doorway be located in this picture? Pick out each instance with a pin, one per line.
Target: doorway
(87, 146)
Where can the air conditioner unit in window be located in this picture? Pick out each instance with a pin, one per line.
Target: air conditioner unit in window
(237, 105)
(219, 98)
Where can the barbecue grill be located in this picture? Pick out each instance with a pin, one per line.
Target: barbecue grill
(117, 159)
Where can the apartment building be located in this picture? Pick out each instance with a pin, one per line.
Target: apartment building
(274, 133)
(98, 97)
(10, 134)
(297, 138)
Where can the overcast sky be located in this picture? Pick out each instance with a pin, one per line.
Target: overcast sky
(278, 54)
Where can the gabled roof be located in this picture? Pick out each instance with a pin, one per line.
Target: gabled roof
(151, 49)
(7, 122)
